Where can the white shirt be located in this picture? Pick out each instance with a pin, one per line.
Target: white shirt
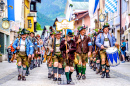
(22, 46)
(58, 42)
(82, 37)
(106, 43)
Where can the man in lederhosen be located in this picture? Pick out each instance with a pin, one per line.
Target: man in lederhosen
(96, 55)
(83, 51)
(105, 40)
(50, 55)
(39, 50)
(24, 50)
(57, 58)
(33, 40)
(71, 48)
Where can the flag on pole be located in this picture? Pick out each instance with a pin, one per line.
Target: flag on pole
(14, 10)
(93, 4)
(11, 13)
(110, 6)
(70, 16)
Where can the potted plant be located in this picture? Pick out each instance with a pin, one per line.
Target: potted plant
(0, 57)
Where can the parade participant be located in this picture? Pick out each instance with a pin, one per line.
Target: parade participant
(105, 40)
(9, 54)
(49, 55)
(123, 49)
(33, 40)
(39, 49)
(68, 55)
(96, 54)
(29, 59)
(58, 60)
(83, 51)
(127, 46)
(24, 49)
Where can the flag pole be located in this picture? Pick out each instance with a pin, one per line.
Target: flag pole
(66, 44)
(120, 19)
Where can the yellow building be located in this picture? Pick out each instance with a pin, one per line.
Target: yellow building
(28, 18)
(30, 14)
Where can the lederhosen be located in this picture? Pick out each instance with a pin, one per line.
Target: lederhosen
(69, 62)
(57, 55)
(103, 51)
(83, 56)
(22, 56)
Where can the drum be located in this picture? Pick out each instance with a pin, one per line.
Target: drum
(113, 56)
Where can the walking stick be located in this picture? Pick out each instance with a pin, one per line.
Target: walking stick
(66, 44)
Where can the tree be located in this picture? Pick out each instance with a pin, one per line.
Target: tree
(38, 26)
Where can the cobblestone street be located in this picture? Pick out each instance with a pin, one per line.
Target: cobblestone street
(38, 77)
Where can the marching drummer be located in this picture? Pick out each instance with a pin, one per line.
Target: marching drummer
(105, 40)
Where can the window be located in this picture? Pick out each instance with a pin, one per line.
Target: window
(32, 7)
(29, 21)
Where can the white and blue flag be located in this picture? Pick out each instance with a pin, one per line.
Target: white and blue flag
(110, 6)
(14, 10)
(93, 4)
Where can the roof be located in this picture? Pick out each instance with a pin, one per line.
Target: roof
(81, 15)
(80, 5)
(59, 19)
(77, 5)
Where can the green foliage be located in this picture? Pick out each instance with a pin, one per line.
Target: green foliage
(71, 5)
(79, 27)
(38, 26)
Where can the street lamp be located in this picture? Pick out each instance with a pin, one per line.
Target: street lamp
(2, 4)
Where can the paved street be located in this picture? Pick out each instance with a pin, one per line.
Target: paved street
(120, 76)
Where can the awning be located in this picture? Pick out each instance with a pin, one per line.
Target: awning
(127, 31)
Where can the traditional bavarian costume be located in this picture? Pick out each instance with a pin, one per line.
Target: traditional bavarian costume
(57, 57)
(26, 48)
(71, 46)
(82, 50)
(50, 56)
(107, 40)
(39, 49)
(96, 55)
(33, 40)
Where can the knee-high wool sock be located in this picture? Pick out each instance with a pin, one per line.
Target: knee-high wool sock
(24, 71)
(83, 69)
(79, 68)
(67, 75)
(19, 70)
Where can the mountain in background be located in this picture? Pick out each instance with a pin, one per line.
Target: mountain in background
(48, 10)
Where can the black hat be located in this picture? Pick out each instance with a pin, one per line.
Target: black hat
(81, 28)
(70, 34)
(106, 25)
(23, 31)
